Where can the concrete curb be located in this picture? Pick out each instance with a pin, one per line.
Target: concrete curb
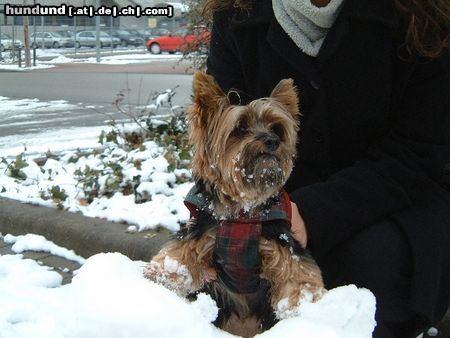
(86, 236)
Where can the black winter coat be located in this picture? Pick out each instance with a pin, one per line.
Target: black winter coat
(375, 131)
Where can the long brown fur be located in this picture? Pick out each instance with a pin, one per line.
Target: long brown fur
(219, 158)
(197, 255)
(289, 277)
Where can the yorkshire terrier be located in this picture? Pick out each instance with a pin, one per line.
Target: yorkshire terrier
(237, 246)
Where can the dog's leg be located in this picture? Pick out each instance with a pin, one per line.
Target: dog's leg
(293, 278)
(183, 266)
(246, 328)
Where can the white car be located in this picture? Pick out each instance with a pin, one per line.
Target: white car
(50, 40)
(88, 39)
(6, 42)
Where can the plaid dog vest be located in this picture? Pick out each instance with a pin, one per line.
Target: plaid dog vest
(236, 251)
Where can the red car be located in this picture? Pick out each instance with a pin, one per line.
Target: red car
(179, 41)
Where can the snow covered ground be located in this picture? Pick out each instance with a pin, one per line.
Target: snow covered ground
(115, 59)
(60, 56)
(34, 114)
(109, 297)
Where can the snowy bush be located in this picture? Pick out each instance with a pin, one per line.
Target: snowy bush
(14, 168)
(138, 174)
(120, 167)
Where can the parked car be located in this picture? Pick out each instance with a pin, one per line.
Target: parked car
(88, 39)
(7, 42)
(67, 34)
(126, 38)
(154, 32)
(180, 40)
(49, 40)
(144, 33)
(131, 31)
(149, 33)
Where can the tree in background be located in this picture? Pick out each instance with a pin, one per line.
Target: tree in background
(197, 52)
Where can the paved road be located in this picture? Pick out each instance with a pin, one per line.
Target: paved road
(86, 86)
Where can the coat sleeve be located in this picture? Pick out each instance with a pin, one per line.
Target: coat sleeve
(399, 170)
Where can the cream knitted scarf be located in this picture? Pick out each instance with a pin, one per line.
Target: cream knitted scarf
(306, 24)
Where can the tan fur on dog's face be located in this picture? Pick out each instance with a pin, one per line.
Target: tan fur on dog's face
(243, 154)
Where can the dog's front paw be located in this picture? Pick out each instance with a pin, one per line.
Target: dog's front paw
(171, 274)
(290, 306)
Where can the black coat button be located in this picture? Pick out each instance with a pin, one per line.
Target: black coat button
(314, 84)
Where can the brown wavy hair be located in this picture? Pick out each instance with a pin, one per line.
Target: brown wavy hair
(428, 26)
(427, 22)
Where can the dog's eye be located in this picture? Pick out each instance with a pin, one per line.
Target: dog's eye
(240, 131)
(241, 128)
(278, 130)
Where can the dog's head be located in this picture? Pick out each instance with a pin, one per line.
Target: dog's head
(243, 154)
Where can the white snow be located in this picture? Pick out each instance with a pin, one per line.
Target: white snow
(39, 143)
(12, 107)
(32, 242)
(109, 297)
(432, 332)
(21, 274)
(61, 58)
(134, 58)
(15, 67)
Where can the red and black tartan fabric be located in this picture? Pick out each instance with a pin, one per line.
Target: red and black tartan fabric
(236, 251)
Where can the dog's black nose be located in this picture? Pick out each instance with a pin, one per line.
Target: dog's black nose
(272, 142)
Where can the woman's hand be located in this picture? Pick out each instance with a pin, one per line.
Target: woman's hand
(298, 228)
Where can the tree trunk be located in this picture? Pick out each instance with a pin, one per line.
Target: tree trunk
(26, 41)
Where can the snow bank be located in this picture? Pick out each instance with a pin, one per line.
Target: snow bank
(59, 57)
(109, 298)
(32, 242)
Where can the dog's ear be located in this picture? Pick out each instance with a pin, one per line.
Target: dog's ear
(208, 103)
(286, 93)
(208, 98)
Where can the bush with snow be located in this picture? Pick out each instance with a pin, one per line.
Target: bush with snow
(136, 175)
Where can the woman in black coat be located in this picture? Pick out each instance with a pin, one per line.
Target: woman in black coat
(373, 151)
